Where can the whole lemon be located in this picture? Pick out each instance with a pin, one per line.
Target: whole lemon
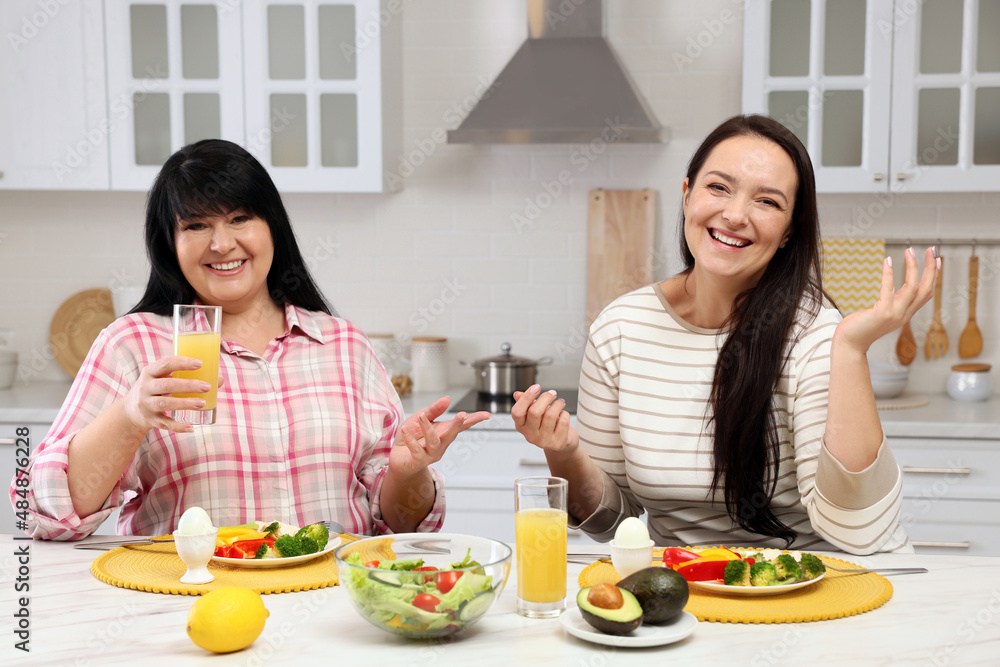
(226, 619)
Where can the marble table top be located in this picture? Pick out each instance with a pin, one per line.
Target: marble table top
(949, 616)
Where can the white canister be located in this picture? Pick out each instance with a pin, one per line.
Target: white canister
(970, 382)
(429, 357)
(383, 344)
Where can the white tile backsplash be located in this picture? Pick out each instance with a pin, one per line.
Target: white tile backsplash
(386, 260)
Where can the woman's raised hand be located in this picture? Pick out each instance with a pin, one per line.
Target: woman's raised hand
(150, 398)
(893, 307)
(542, 419)
(422, 441)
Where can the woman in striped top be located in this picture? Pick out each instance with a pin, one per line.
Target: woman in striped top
(732, 401)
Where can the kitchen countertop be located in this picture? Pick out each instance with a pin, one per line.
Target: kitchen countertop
(946, 616)
(943, 417)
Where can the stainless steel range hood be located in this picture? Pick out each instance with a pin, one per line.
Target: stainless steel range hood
(564, 85)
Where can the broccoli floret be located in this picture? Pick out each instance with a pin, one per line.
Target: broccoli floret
(811, 566)
(317, 532)
(787, 568)
(737, 573)
(261, 551)
(287, 546)
(271, 529)
(308, 545)
(763, 574)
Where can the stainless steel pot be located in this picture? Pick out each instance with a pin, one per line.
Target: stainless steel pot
(505, 373)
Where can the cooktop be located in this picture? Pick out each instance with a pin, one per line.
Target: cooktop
(474, 401)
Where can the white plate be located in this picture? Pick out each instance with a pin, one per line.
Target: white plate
(268, 563)
(644, 635)
(753, 591)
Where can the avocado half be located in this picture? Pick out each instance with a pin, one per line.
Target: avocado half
(619, 621)
(661, 592)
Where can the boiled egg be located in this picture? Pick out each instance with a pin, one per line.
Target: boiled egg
(631, 533)
(194, 521)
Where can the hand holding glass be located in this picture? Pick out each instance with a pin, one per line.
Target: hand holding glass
(540, 527)
(197, 334)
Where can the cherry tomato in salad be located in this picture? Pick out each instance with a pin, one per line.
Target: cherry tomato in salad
(373, 563)
(426, 601)
(426, 568)
(446, 581)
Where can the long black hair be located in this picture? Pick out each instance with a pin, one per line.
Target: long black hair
(216, 177)
(746, 443)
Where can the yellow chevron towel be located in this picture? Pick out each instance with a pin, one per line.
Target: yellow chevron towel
(852, 271)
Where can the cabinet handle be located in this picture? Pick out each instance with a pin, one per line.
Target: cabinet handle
(533, 463)
(938, 471)
(901, 176)
(941, 545)
(8, 441)
(879, 177)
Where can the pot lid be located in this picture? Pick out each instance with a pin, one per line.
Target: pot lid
(505, 359)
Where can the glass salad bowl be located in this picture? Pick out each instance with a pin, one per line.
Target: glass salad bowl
(423, 585)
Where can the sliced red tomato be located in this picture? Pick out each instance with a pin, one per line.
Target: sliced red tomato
(426, 568)
(373, 563)
(426, 601)
(445, 581)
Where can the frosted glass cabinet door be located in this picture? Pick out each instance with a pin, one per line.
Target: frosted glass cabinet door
(946, 98)
(822, 69)
(53, 103)
(175, 76)
(314, 93)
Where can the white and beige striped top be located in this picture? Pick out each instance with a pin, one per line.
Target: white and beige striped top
(642, 417)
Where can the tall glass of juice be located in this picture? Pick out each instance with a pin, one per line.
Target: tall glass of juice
(540, 528)
(197, 334)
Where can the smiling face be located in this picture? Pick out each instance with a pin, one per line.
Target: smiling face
(226, 259)
(738, 210)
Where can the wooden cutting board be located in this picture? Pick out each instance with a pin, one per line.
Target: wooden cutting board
(620, 229)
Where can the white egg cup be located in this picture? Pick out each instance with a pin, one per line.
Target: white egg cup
(628, 560)
(195, 551)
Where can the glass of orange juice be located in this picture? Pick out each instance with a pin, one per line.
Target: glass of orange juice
(197, 334)
(540, 528)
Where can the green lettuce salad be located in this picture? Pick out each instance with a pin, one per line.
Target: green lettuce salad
(411, 599)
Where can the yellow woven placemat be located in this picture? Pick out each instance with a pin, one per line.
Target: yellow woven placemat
(156, 568)
(836, 595)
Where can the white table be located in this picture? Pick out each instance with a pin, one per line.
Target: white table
(949, 616)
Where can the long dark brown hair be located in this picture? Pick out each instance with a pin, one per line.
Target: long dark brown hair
(216, 177)
(746, 447)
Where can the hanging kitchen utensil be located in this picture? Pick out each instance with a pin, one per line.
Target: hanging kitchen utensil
(620, 226)
(970, 343)
(76, 324)
(937, 338)
(906, 346)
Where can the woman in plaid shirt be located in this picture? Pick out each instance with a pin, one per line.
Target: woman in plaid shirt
(308, 426)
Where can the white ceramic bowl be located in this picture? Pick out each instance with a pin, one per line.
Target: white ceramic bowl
(627, 560)
(888, 387)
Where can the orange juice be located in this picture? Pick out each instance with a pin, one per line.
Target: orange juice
(204, 346)
(541, 554)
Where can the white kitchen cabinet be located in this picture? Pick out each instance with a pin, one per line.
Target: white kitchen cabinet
(53, 112)
(302, 84)
(479, 470)
(887, 96)
(951, 494)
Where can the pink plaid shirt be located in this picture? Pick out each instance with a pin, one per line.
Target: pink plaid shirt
(302, 434)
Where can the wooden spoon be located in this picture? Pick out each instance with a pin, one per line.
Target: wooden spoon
(906, 346)
(936, 343)
(970, 343)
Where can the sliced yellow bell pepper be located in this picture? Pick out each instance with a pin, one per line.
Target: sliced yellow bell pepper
(232, 534)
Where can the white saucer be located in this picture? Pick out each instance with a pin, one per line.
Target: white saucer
(644, 635)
